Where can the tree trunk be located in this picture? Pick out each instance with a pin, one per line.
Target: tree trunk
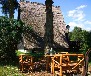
(19, 11)
(11, 8)
(49, 25)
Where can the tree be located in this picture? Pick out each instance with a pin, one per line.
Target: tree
(49, 25)
(10, 36)
(83, 36)
(22, 0)
(89, 39)
(9, 6)
(76, 34)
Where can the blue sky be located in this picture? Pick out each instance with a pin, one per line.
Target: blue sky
(75, 12)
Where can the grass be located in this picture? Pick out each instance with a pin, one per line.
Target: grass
(89, 64)
(18, 53)
(10, 71)
(32, 54)
(10, 68)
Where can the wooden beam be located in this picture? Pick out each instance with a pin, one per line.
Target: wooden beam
(78, 63)
(61, 66)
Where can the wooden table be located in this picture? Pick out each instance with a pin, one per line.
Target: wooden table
(64, 63)
(49, 60)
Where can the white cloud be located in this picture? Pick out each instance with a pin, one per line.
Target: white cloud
(71, 13)
(76, 14)
(79, 19)
(73, 24)
(81, 25)
(81, 7)
(88, 22)
(88, 28)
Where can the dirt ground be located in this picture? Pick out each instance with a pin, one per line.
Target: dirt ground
(45, 73)
(40, 72)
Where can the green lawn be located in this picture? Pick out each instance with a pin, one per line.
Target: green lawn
(10, 71)
(31, 54)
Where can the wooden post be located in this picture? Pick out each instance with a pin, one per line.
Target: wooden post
(61, 65)
(52, 65)
(22, 63)
(31, 63)
(47, 63)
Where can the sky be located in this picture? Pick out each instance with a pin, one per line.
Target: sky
(75, 12)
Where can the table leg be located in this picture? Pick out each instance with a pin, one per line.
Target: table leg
(47, 63)
(52, 65)
(61, 66)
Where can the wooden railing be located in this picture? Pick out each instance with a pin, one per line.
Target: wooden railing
(64, 63)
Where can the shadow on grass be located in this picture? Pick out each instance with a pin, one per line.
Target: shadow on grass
(10, 68)
(4, 62)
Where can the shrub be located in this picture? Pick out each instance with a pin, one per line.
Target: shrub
(10, 36)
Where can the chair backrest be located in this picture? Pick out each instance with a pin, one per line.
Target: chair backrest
(25, 58)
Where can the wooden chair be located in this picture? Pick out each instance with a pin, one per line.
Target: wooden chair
(25, 63)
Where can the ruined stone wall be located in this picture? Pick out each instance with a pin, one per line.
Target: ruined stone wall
(34, 14)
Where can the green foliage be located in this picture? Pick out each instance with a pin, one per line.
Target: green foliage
(10, 36)
(76, 34)
(9, 6)
(83, 36)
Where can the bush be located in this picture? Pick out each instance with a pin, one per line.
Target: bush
(10, 36)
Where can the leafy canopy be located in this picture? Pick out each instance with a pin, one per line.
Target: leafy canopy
(83, 36)
(11, 32)
(9, 6)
